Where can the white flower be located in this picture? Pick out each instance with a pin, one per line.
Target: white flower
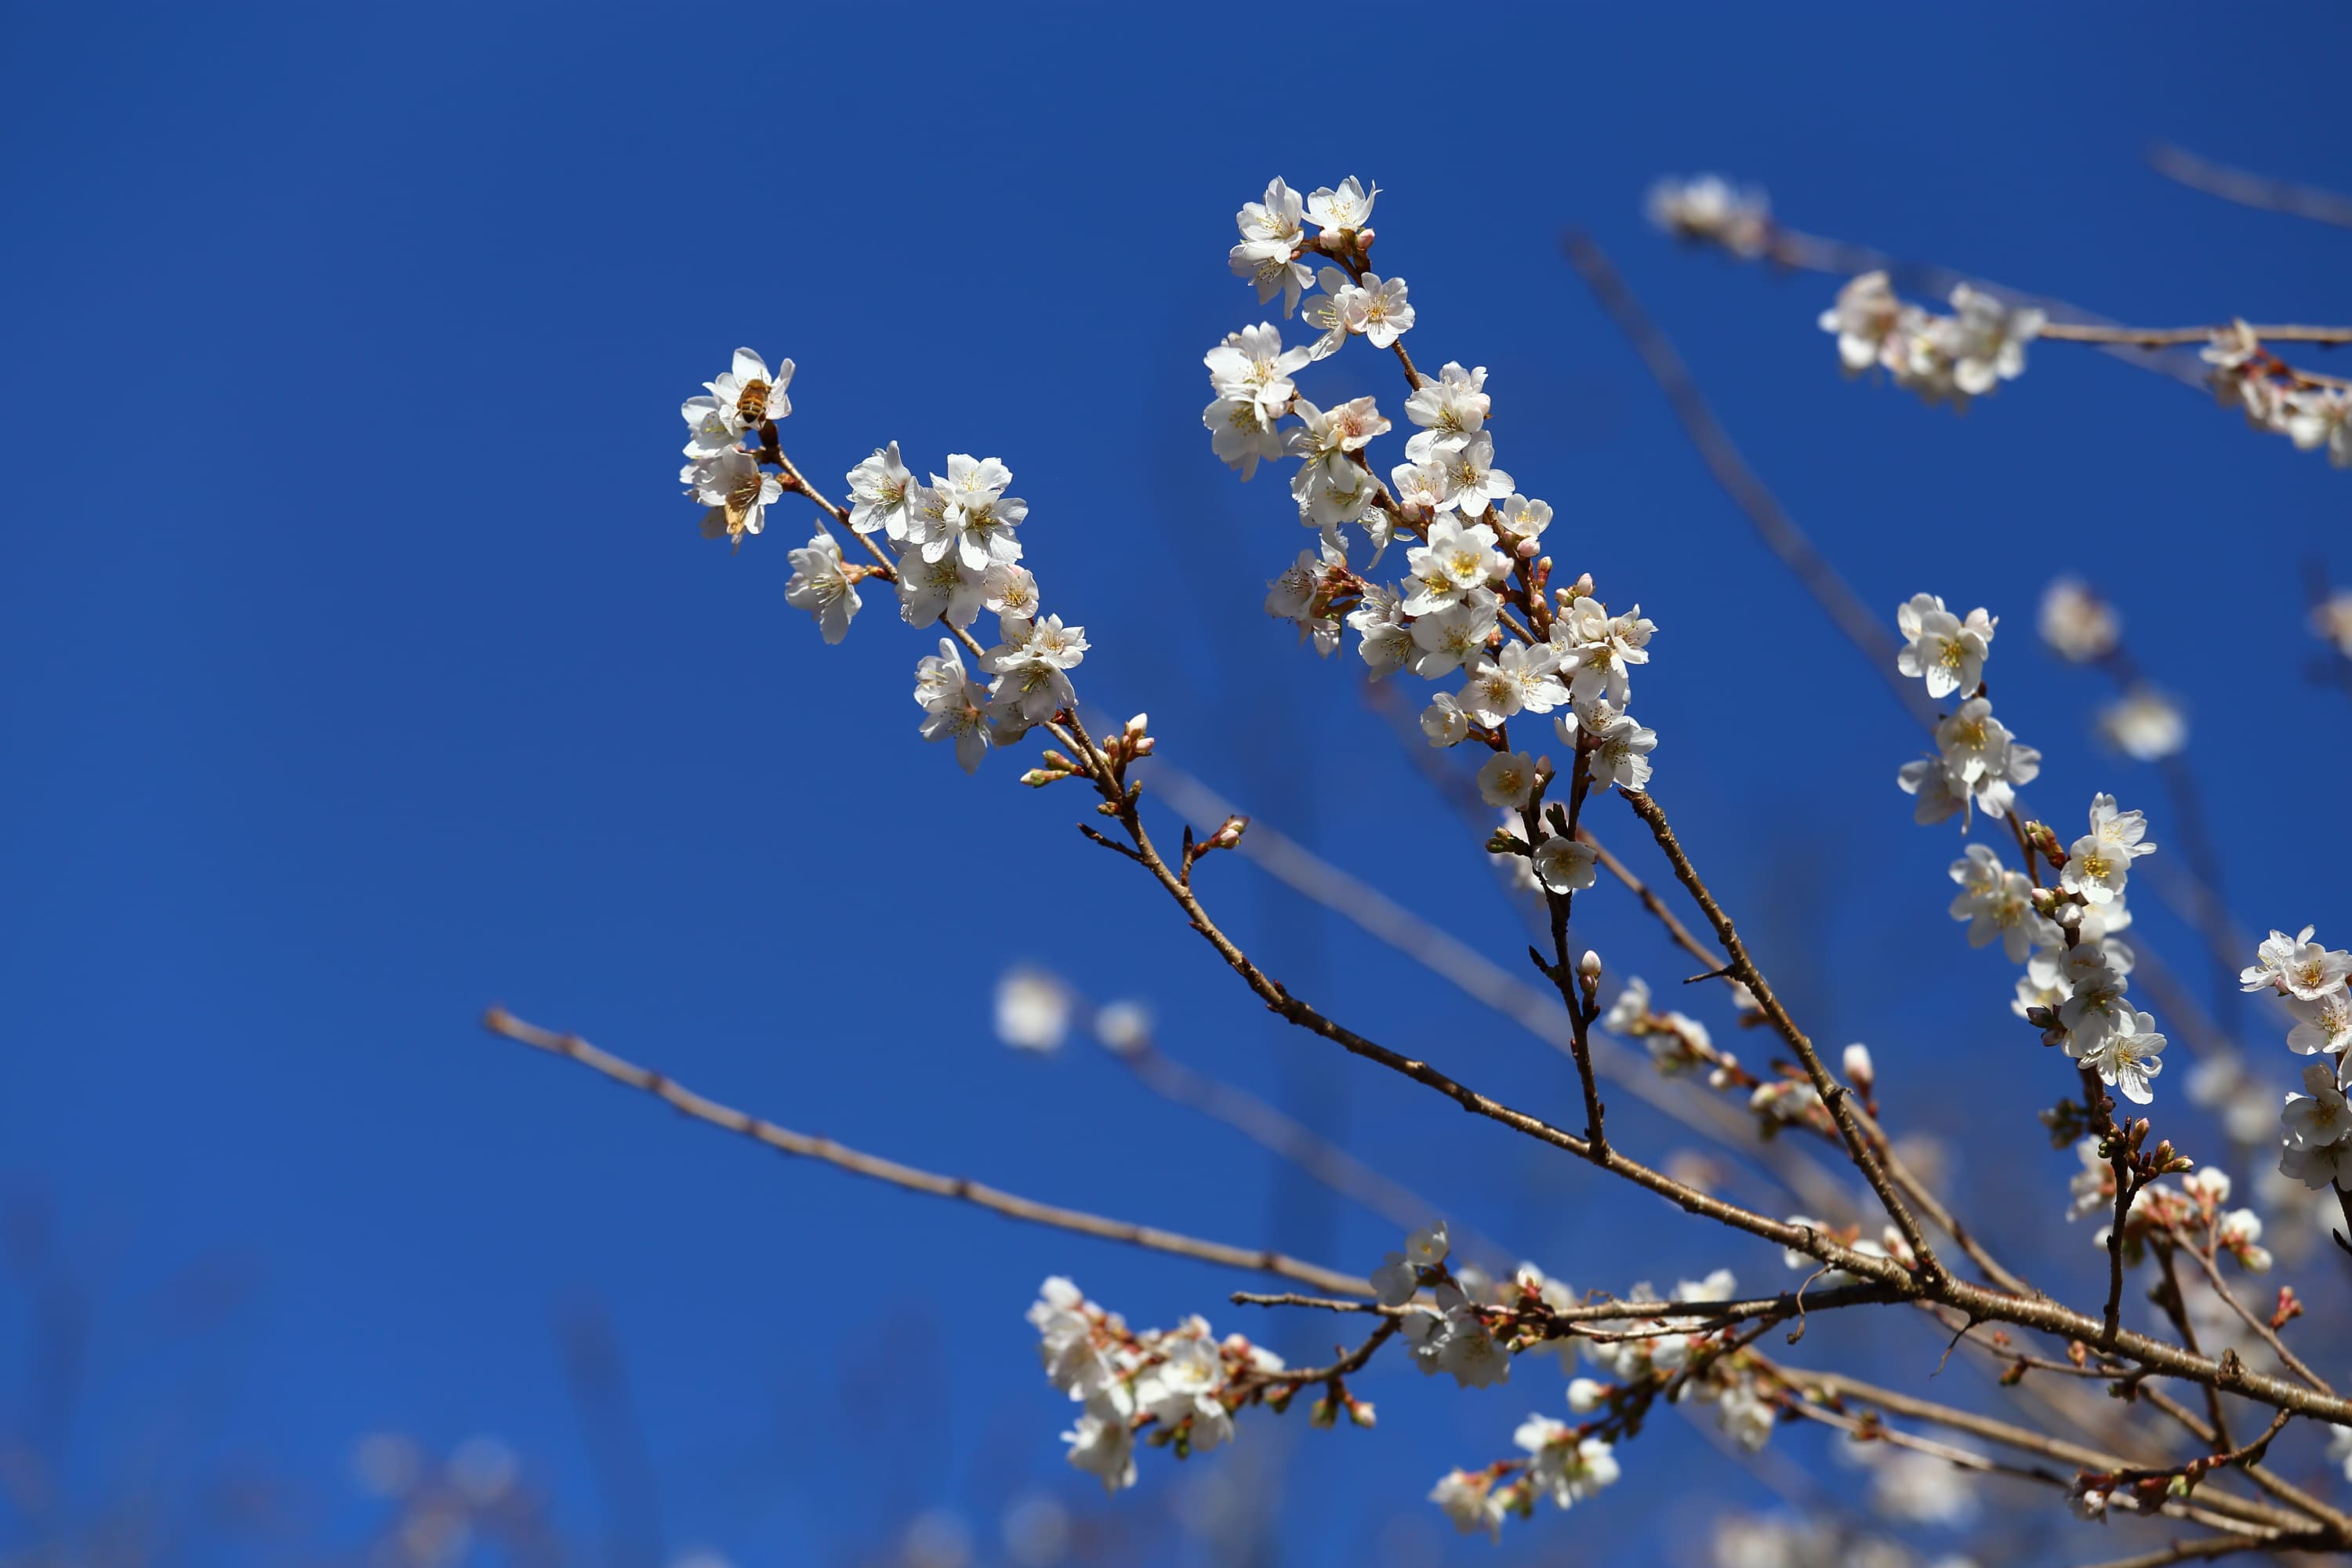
(1429, 1246)
(1251, 364)
(708, 429)
(1708, 209)
(1863, 319)
(2297, 967)
(1181, 1388)
(1525, 519)
(1395, 1280)
(1033, 1010)
(1469, 1501)
(1449, 411)
(2144, 724)
(737, 492)
(821, 586)
(1273, 220)
(1457, 561)
(1349, 206)
(1621, 748)
(1508, 780)
(1569, 1470)
(2320, 1117)
(1630, 1014)
(1345, 428)
(1010, 590)
(2078, 624)
(969, 513)
(1473, 479)
(1274, 268)
(878, 488)
(1985, 340)
(1928, 779)
(1946, 651)
(1600, 647)
(954, 705)
(1453, 636)
(2129, 1059)
(1999, 903)
(2321, 1024)
(1444, 721)
(2095, 1006)
(945, 589)
(1242, 433)
(1564, 865)
(748, 395)
(1103, 1444)
(1376, 309)
(2321, 416)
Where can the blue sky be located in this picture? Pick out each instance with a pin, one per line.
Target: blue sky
(362, 666)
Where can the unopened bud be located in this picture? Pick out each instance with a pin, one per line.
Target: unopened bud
(1858, 1067)
(1137, 725)
(1322, 1412)
(1588, 966)
(1582, 587)
(1229, 831)
(1526, 548)
(1361, 1411)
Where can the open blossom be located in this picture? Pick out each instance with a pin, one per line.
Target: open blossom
(954, 705)
(2297, 967)
(1273, 220)
(736, 490)
(1997, 904)
(1520, 677)
(1376, 309)
(1946, 651)
(2318, 1116)
(2095, 1006)
(1523, 518)
(1984, 339)
(1444, 721)
(1508, 779)
(2099, 862)
(1473, 481)
(878, 488)
(1600, 648)
(748, 394)
(1447, 410)
(1347, 206)
(1453, 636)
(1620, 747)
(2128, 1060)
(1242, 433)
(1267, 254)
(1456, 561)
(1251, 364)
(1566, 1467)
(1564, 865)
(2318, 416)
(942, 590)
(823, 586)
(1469, 1499)
(2323, 1024)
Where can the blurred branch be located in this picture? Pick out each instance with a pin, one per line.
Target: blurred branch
(1291, 1139)
(1472, 973)
(2248, 189)
(499, 1021)
(616, 1438)
(1779, 531)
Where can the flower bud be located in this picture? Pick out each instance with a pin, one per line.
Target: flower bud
(1858, 1067)
(1361, 1413)
(1588, 966)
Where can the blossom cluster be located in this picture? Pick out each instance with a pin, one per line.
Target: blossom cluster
(2276, 397)
(2310, 981)
(1177, 1387)
(2076, 974)
(1977, 763)
(2194, 1210)
(1474, 603)
(1944, 359)
(951, 546)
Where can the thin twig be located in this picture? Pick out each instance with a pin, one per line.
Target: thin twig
(785, 1142)
(2250, 189)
